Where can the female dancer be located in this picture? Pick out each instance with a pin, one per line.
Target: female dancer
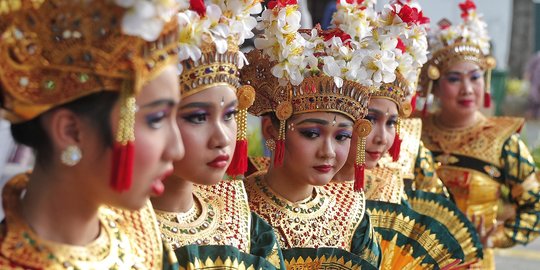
(480, 156)
(310, 105)
(80, 80)
(206, 219)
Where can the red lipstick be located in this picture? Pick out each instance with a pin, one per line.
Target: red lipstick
(323, 168)
(219, 162)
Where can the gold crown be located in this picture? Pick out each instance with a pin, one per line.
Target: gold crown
(56, 51)
(396, 92)
(211, 69)
(317, 93)
(448, 56)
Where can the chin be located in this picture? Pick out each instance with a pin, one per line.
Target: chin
(320, 181)
(370, 164)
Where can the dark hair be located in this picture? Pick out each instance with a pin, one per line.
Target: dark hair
(95, 108)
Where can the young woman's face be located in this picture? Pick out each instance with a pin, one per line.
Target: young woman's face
(383, 114)
(460, 90)
(316, 146)
(157, 139)
(207, 122)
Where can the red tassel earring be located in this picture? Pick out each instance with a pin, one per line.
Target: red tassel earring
(239, 162)
(123, 149)
(283, 112)
(362, 130)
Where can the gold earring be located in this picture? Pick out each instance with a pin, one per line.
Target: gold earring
(271, 144)
(71, 155)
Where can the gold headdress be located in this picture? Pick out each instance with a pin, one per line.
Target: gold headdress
(404, 22)
(450, 44)
(210, 37)
(298, 71)
(55, 51)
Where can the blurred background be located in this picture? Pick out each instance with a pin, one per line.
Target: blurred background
(514, 26)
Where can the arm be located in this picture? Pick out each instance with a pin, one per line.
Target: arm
(520, 175)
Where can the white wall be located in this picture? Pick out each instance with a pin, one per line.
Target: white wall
(497, 14)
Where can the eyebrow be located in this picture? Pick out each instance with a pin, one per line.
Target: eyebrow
(322, 122)
(160, 102)
(454, 72)
(379, 112)
(206, 105)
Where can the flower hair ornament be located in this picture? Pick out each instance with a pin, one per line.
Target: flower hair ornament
(305, 70)
(450, 44)
(55, 51)
(403, 25)
(210, 36)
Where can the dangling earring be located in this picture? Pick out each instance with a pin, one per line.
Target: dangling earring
(271, 145)
(71, 155)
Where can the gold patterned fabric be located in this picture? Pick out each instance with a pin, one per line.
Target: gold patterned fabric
(220, 217)
(476, 162)
(128, 240)
(384, 184)
(334, 217)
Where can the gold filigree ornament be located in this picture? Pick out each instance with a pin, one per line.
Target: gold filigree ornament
(56, 51)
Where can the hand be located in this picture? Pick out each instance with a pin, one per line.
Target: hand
(485, 235)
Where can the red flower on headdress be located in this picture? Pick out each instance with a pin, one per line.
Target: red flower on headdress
(401, 46)
(281, 3)
(412, 15)
(336, 32)
(352, 1)
(198, 6)
(465, 7)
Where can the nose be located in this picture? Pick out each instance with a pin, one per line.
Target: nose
(467, 87)
(221, 136)
(327, 151)
(174, 149)
(380, 134)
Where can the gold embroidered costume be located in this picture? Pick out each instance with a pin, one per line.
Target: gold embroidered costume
(333, 218)
(220, 229)
(127, 240)
(476, 162)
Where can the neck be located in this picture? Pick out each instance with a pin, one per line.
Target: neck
(177, 198)
(451, 121)
(293, 190)
(51, 202)
(345, 174)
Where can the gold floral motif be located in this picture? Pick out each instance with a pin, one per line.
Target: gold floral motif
(483, 140)
(127, 240)
(223, 219)
(319, 221)
(384, 184)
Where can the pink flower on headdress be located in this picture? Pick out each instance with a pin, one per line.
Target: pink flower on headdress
(466, 7)
(281, 3)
